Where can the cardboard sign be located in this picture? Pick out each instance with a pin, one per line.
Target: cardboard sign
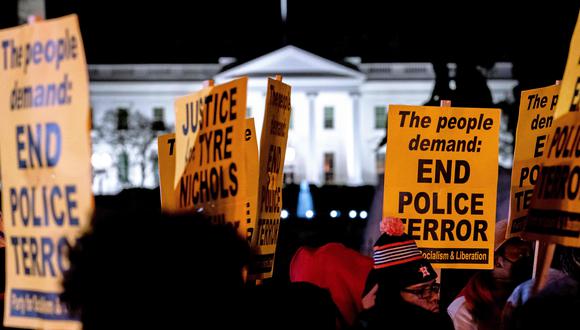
(251, 159)
(441, 179)
(534, 126)
(166, 151)
(46, 169)
(209, 140)
(272, 153)
(555, 211)
(569, 100)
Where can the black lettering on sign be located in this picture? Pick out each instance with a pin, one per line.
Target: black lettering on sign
(565, 143)
(575, 104)
(208, 185)
(215, 145)
(446, 145)
(414, 120)
(171, 143)
(44, 206)
(39, 256)
(453, 171)
(463, 123)
(529, 176)
(446, 229)
(209, 111)
(559, 182)
(268, 232)
(541, 122)
(279, 100)
(441, 203)
(38, 145)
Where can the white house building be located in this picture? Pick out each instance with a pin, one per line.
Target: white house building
(338, 110)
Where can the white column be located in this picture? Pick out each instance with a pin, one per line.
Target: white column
(313, 167)
(354, 144)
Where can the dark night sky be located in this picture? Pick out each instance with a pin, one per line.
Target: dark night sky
(535, 38)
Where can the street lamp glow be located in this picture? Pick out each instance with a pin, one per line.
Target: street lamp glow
(363, 214)
(333, 213)
(309, 214)
(284, 214)
(352, 214)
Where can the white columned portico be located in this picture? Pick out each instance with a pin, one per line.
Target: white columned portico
(354, 144)
(313, 167)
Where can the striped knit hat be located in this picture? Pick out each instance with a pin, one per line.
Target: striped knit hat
(398, 258)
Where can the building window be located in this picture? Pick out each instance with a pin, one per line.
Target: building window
(122, 119)
(328, 117)
(158, 119)
(248, 112)
(380, 117)
(288, 175)
(328, 167)
(123, 168)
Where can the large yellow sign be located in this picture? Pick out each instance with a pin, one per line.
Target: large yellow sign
(166, 156)
(210, 171)
(555, 211)
(534, 126)
(46, 171)
(272, 153)
(251, 162)
(441, 179)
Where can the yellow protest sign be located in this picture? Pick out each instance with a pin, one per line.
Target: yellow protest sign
(555, 210)
(272, 153)
(570, 91)
(441, 180)
(534, 125)
(209, 141)
(251, 159)
(166, 156)
(46, 171)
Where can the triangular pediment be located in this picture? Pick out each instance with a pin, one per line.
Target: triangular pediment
(290, 61)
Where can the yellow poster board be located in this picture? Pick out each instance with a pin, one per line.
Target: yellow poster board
(46, 171)
(166, 156)
(251, 159)
(569, 99)
(534, 126)
(209, 141)
(555, 210)
(441, 180)
(272, 153)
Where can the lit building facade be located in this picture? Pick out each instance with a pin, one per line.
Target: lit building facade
(338, 111)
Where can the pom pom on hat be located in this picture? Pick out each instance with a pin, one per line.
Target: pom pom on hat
(392, 226)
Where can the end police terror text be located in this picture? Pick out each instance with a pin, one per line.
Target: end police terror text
(446, 204)
(213, 147)
(561, 181)
(40, 207)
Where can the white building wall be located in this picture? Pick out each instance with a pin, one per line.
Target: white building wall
(298, 137)
(384, 94)
(334, 140)
(145, 96)
(136, 97)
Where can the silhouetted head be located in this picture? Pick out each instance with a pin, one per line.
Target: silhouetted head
(138, 269)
